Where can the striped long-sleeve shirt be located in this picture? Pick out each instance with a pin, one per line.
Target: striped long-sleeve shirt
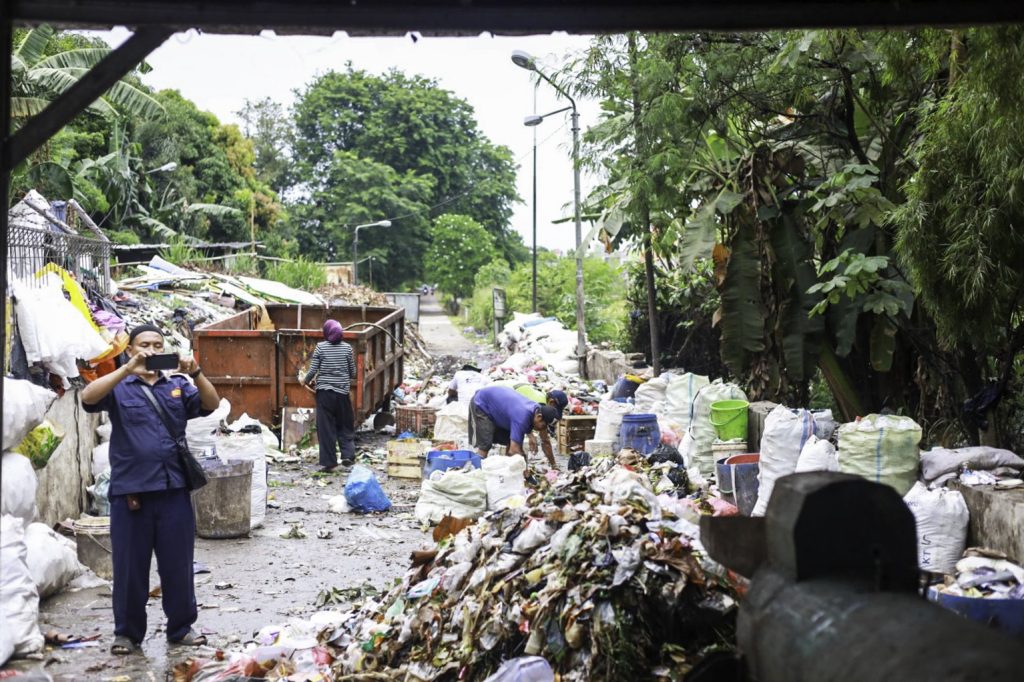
(334, 367)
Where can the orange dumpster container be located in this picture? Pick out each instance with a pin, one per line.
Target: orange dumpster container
(258, 369)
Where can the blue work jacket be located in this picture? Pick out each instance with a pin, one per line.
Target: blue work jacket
(143, 455)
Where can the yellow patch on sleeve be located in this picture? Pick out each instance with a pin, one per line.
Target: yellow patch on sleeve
(176, 393)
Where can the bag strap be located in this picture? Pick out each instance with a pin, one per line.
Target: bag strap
(147, 391)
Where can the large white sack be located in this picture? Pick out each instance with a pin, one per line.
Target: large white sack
(701, 428)
(201, 432)
(19, 599)
(52, 559)
(941, 516)
(786, 431)
(609, 420)
(454, 492)
(25, 406)
(104, 430)
(452, 422)
(52, 330)
(253, 447)
(650, 396)
(881, 448)
(940, 463)
(817, 455)
(100, 458)
(679, 396)
(18, 487)
(504, 474)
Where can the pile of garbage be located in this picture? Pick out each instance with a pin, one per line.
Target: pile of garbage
(980, 575)
(595, 572)
(531, 339)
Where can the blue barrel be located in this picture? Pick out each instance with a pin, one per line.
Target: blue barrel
(1003, 614)
(640, 432)
(441, 460)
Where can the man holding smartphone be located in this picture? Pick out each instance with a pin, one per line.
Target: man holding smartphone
(150, 505)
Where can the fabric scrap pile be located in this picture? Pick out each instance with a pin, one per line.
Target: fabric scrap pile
(597, 573)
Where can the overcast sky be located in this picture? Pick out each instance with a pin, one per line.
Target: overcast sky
(220, 72)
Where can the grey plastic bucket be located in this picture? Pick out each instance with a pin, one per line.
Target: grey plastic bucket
(736, 476)
(223, 507)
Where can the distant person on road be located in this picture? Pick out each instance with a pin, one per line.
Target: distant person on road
(464, 385)
(333, 369)
(555, 398)
(497, 414)
(150, 505)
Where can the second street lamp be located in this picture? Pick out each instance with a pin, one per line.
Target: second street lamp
(355, 246)
(524, 60)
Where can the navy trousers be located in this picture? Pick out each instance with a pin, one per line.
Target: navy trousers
(165, 525)
(335, 427)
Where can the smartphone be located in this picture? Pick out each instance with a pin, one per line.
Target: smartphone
(164, 361)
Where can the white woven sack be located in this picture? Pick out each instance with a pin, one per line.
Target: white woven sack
(609, 420)
(680, 394)
(786, 431)
(941, 516)
(703, 431)
(19, 598)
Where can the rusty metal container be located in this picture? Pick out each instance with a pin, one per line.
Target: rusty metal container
(254, 360)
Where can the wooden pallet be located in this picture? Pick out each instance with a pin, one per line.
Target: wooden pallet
(574, 430)
(405, 458)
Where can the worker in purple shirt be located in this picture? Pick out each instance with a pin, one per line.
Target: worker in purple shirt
(498, 414)
(150, 505)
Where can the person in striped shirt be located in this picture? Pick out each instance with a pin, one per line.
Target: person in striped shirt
(333, 368)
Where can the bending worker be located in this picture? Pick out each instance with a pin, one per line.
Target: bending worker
(555, 398)
(466, 382)
(150, 506)
(497, 414)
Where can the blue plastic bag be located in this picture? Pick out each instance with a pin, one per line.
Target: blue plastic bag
(363, 491)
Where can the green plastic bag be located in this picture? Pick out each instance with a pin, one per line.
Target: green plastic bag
(40, 443)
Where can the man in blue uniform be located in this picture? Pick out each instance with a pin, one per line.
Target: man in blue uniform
(498, 414)
(150, 507)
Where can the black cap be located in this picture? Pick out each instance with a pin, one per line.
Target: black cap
(548, 414)
(142, 328)
(470, 368)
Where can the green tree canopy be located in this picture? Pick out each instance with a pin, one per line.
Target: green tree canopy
(356, 191)
(411, 125)
(459, 247)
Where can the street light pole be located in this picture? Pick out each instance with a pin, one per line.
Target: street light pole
(525, 61)
(535, 201)
(355, 246)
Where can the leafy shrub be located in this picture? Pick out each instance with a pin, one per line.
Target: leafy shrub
(299, 274)
(180, 252)
(604, 306)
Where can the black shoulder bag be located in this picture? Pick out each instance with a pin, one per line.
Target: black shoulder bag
(195, 477)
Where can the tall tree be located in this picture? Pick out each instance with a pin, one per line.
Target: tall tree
(459, 247)
(356, 191)
(411, 125)
(268, 126)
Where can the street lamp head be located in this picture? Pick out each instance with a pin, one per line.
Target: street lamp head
(523, 60)
(168, 167)
(384, 223)
(533, 120)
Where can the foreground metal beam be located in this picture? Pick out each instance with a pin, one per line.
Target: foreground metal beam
(836, 596)
(75, 99)
(517, 16)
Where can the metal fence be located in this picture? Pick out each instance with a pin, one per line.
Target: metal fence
(32, 248)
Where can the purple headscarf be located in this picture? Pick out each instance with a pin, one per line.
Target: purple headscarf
(333, 331)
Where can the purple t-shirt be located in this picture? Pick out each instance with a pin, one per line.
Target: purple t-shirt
(508, 409)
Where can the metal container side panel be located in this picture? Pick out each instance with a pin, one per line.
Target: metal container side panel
(242, 366)
(312, 318)
(409, 302)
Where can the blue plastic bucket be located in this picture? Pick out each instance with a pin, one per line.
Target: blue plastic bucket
(441, 460)
(640, 432)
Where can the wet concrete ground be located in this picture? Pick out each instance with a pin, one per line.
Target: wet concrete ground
(263, 579)
(254, 581)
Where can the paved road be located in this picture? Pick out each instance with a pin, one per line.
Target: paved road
(440, 336)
